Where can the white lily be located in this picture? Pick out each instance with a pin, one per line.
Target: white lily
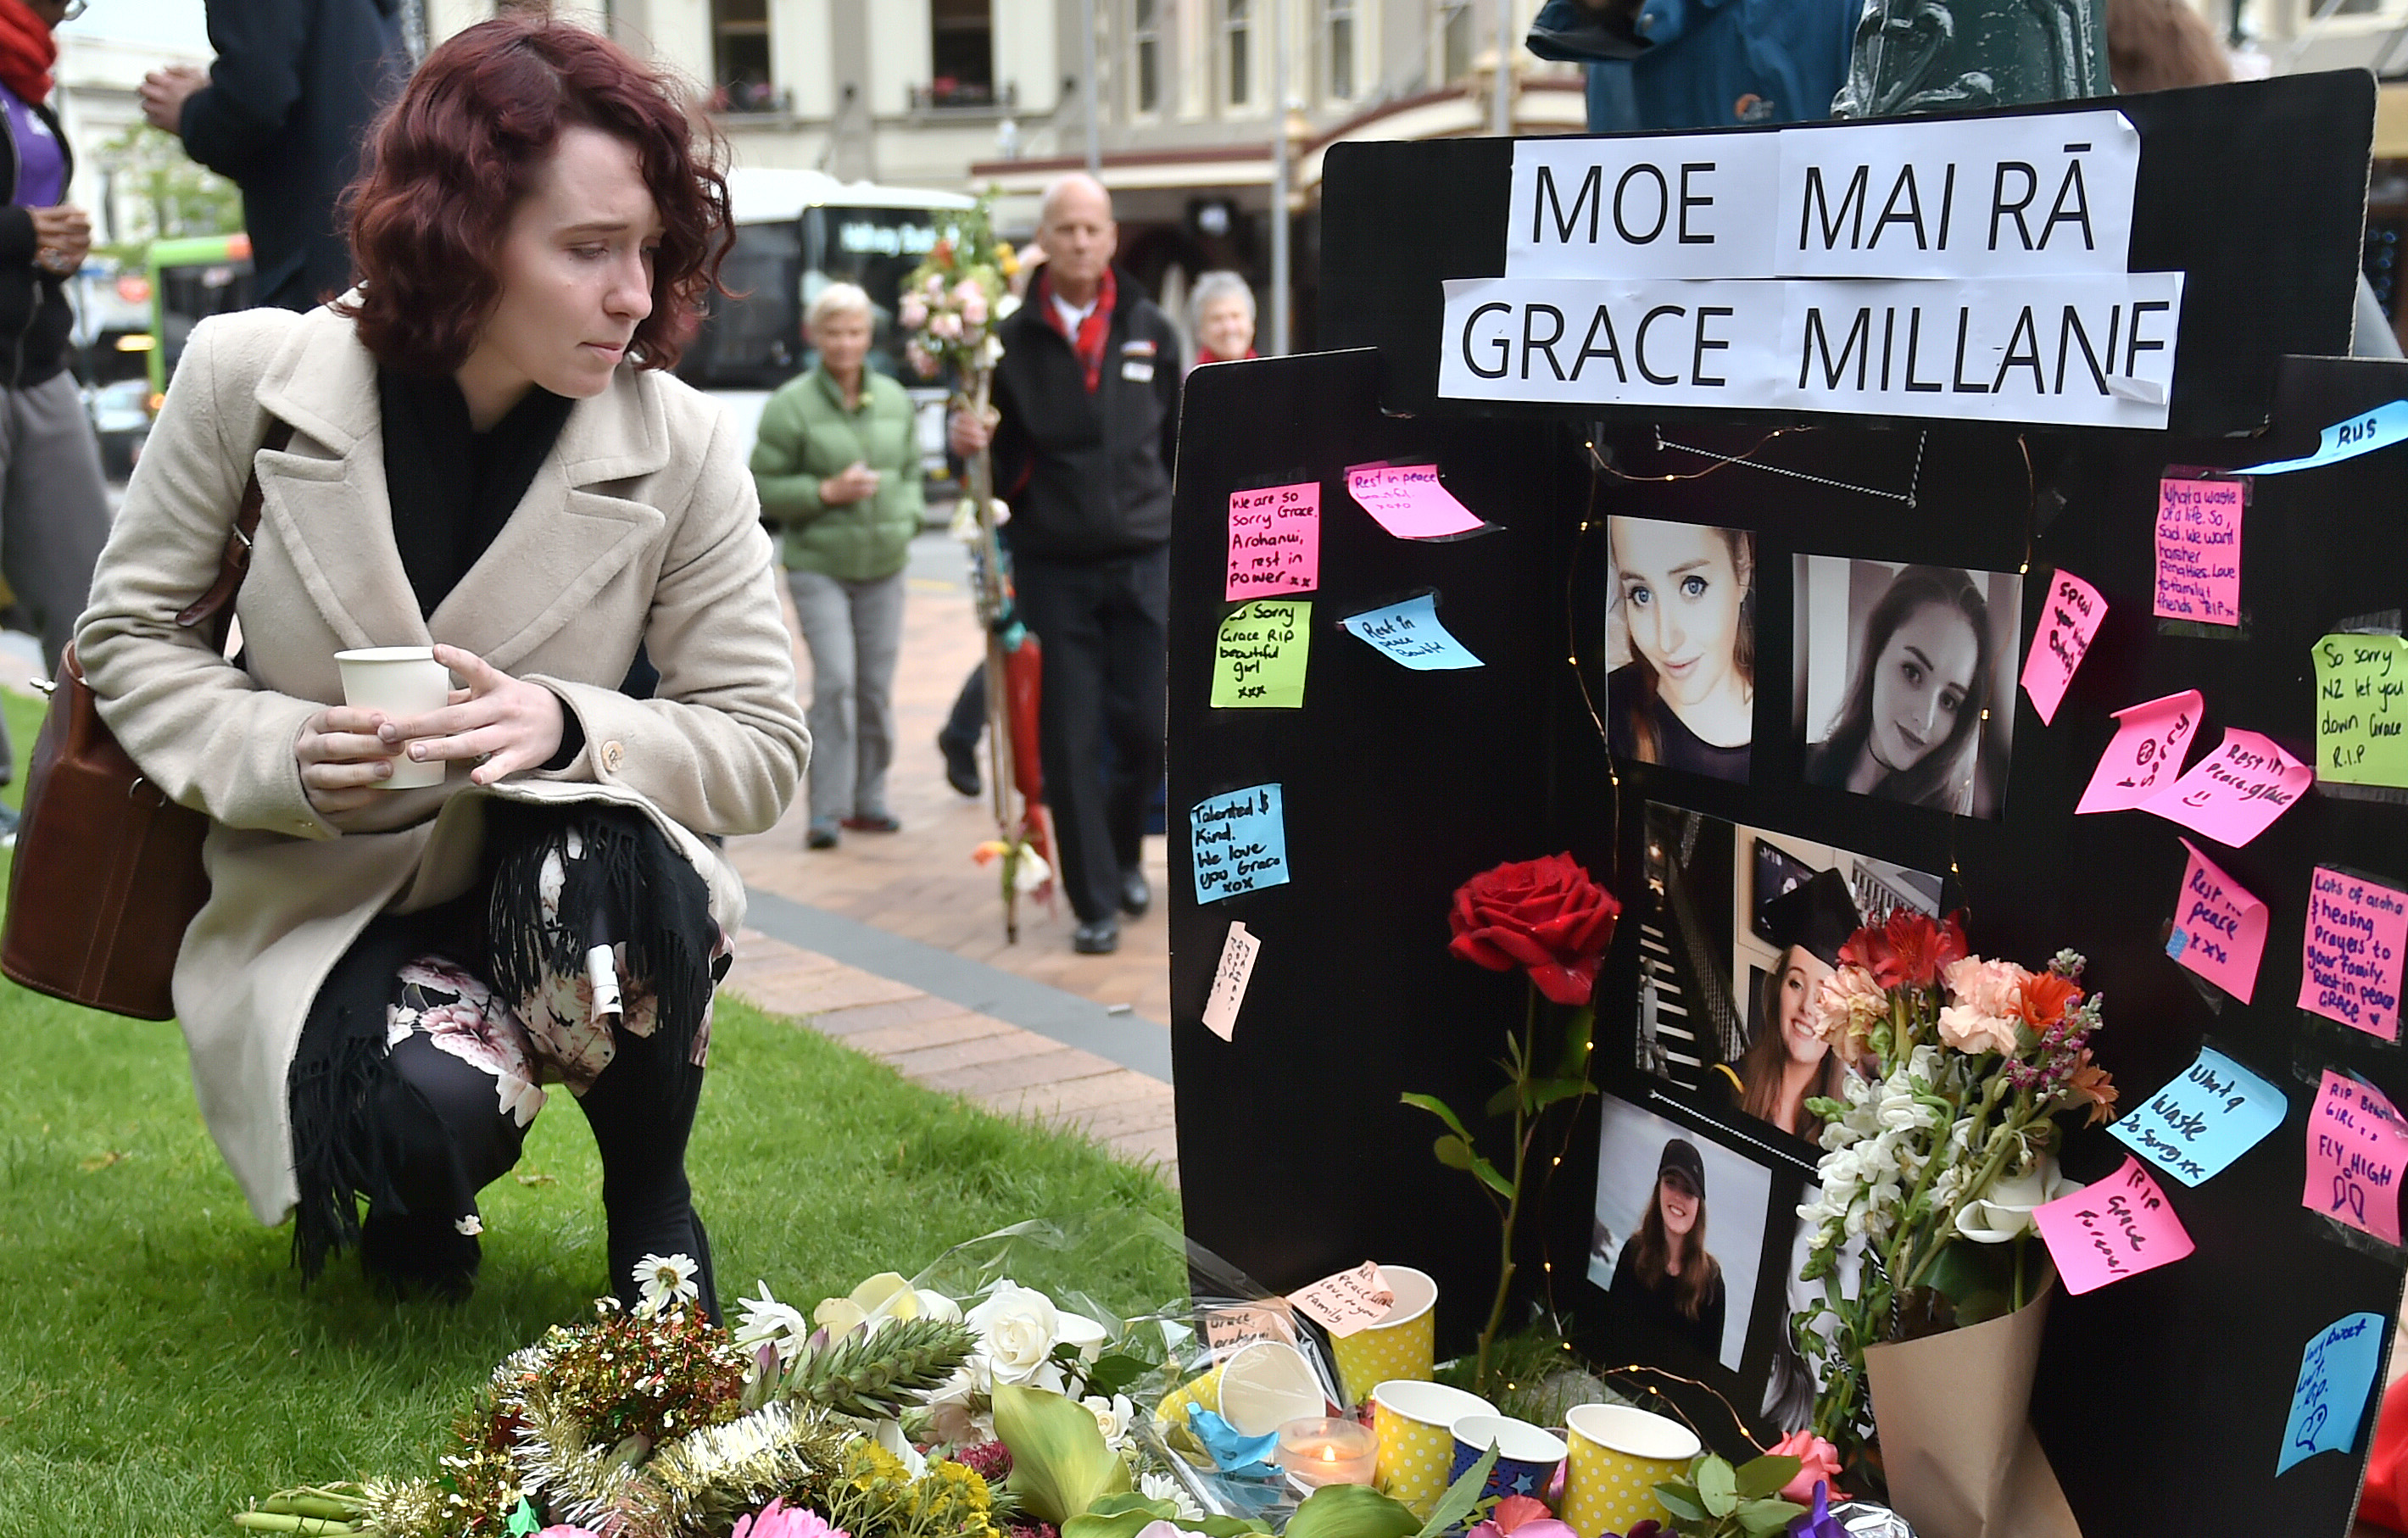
(2007, 1209)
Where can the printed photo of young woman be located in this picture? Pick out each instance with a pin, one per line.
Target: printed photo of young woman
(1905, 681)
(1673, 1279)
(1743, 926)
(1680, 646)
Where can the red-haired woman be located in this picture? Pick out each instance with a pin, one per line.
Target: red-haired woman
(1665, 1280)
(479, 449)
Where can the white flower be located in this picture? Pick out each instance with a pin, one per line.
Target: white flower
(890, 1436)
(1162, 1486)
(471, 1225)
(2005, 1210)
(768, 1321)
(665, 1280)
(882, 1296)
(1017, 1328)
(520, 1099)
(1113, 1417)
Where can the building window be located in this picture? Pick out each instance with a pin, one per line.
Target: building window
(961, 53)
(1240, 22)
(739, 40)
(1455, 40)
(1145, 41)
(1341, 17)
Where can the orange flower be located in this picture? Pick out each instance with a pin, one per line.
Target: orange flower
(2089, 1084)
(2045, 999)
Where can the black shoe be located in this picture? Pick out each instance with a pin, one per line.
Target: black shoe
(1101, 937)
(961, 765)
(878, 822)
(822, 835)
(1137, 894)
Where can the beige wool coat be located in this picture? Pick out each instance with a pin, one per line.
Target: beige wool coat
(641, 525)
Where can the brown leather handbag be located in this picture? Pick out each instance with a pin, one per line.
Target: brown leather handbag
(108, 872)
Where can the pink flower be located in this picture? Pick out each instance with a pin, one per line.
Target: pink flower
(913, 312)
(1523, 1518)
(1971, 1032)
(973, 306)
(565, 1531)
(1846, 1004)
(945, 326)
(1817, 1461)
(1988, 987)
(776, 1520)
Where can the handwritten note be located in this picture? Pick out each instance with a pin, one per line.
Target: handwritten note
(2146, 754)
(2067, 625)
(2119, 1227)
(2336, 1372)
(2197, 1125)
(1409, 634)
(1348, 1302)
(1260, 658)
(2362, 709)
(2356, 1147)
(1229, 980)
(2199, 550)
(2219, 929)
(2235, 793)
(2357, 933)
(1227, 1329)
(2362, 433)
(1274, 540)
(1239, 842)
(1409, 502)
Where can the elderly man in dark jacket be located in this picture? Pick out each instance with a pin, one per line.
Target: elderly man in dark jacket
(281, 114)
(1087, 398)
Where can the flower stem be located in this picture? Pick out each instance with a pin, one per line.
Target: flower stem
(1523, 1126)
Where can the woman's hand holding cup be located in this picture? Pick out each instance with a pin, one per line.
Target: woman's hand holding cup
(344, 762)
(505, 723)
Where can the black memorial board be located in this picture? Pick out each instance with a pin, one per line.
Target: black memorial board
(2162, 1399)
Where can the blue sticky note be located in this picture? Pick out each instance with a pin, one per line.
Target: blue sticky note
(2362, 433)
(1238, 842)
(2335, 1372)
(1409, 634)
(2177, 943)
(2212, 1114)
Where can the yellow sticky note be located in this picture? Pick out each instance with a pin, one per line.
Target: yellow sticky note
(2362, 709)
(1259, 661)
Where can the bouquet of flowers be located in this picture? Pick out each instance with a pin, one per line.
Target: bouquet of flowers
(1945, 1142)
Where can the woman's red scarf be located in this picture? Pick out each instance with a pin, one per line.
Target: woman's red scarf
(28, 51)
(1205, 355)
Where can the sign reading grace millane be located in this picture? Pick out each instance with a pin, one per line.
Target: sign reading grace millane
(1971, 268)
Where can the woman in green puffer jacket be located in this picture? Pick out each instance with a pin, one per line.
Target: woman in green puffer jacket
(838, 462)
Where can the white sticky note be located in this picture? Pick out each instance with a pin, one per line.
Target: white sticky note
(1229, 980)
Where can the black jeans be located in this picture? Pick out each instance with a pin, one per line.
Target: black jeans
(1104, 625)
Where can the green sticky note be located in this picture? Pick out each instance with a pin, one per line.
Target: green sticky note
(1259, 662)
(2362, 709)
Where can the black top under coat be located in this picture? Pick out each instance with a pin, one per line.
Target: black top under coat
(452, 487)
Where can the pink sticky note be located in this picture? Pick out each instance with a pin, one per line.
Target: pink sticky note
(1274, 540)
(2235, 793)
(2066, 624)
(1348, 1302)
(2147, 753)
(2219, 929)
(2119, 1227)
(1409, 501)
(2199, 550)
(2356, 1147)
(2356, 933)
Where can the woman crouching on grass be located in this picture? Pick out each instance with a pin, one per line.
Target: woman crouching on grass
(480, 448)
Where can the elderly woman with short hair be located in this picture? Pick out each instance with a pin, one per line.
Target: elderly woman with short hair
(838, 464)
(1221, 313)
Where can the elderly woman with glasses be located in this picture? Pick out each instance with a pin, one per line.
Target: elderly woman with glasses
(838, 464)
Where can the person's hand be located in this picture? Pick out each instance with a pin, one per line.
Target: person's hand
(849, 485)
(164, 92)
(62, 239)
(343, 759)
(505, 723)
(967, 435)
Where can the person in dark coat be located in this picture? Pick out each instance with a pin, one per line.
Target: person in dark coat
(1087, 420)
(282, 114)
(1700, 64)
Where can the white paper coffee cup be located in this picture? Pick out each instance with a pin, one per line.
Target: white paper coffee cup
(403, 682)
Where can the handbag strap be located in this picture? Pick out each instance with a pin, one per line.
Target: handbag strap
(233, 562)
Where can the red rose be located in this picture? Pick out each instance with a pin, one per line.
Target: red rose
(1543, 915)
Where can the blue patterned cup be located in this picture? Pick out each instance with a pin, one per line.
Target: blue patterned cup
(1528, 1455)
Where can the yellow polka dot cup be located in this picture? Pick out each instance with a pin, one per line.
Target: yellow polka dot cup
(1414, 1422)
(1204, 1391)
(1619, 1454)
(1401, 1346)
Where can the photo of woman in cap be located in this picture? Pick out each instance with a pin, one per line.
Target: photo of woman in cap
(1788, 1063)
(1666, 1278)
(1683, 610)
(1926, 662)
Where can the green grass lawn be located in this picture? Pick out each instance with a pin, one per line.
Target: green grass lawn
(160, 1361)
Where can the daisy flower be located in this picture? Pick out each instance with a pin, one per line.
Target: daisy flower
(665, 1280)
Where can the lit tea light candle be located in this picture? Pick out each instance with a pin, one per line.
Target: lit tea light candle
(1327, 1451)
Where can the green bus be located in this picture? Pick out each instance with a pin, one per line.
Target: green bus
(192, 279)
